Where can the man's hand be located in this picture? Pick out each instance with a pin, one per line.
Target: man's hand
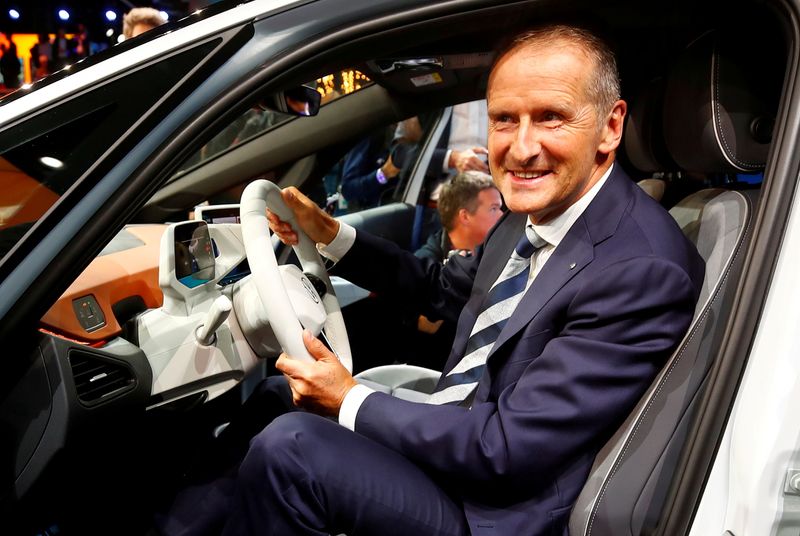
(320, 386)
(320, 226)
(468, 160)
(390, 171)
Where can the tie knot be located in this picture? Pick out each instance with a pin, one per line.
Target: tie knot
(529, 243)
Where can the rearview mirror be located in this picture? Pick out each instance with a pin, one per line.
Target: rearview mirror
(301, 100)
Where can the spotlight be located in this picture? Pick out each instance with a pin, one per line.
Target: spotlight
(51, 162)
(109, 32)
(164, 15)
(120, 38)
(111, 16)
(13, 13)
(63, 14)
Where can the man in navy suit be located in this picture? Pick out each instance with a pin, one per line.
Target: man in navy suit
(610, 292)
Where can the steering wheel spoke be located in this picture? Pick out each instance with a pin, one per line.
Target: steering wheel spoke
(286, 294)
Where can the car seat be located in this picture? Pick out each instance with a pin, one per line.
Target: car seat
(643, 142)
(709, 109)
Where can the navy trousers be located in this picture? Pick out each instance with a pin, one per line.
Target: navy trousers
(307, 475)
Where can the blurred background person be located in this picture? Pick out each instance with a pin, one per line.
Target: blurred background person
(10, 67)
(370, 169)
(41, 53)
(469, 206)
(139, 20)
(80, 44)
(60, 51)
(461, 147)
(465, 135)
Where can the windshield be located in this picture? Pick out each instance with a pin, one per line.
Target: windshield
(256, 120)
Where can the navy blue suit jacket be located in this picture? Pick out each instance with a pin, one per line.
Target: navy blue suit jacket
(584, 343)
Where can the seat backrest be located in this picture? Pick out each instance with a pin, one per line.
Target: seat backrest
(629, 481)
(644, 149)
(625, 483)
(653, 187)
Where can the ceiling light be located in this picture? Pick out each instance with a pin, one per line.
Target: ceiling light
(63, 14)
(13, 13)
(111, 16)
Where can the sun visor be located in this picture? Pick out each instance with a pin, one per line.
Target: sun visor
(427, 73)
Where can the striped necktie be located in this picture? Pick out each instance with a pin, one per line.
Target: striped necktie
(497, 308)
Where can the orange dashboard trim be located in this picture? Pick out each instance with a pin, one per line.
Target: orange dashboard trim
(109, 279)
(22, 198)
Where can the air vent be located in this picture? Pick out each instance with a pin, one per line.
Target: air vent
(98, 379)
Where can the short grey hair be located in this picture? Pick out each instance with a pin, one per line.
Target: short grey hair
(604, 90)
(140, 15)
(461, 192)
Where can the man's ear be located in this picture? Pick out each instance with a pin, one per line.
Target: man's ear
(463, 216)
(611, 135)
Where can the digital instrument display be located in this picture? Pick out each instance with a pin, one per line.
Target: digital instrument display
(194, 254)
(219, 213)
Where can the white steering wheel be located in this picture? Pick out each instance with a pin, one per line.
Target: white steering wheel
(271, 282)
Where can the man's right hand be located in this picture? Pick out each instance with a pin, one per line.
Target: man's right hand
(320, 226)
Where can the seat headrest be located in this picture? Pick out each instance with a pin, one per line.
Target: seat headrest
(720, 103)
(643, 137)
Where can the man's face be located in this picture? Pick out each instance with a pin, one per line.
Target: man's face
(489, 210)
(547, 145)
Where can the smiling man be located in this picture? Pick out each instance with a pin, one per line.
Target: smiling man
(565, 315)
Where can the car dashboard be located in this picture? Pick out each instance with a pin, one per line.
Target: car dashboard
(151, 289)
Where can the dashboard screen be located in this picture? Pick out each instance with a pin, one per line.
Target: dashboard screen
(219, 213)
(194, 254)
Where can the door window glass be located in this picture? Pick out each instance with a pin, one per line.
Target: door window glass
(370, 172)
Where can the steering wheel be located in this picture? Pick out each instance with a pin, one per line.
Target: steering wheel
(271, 282)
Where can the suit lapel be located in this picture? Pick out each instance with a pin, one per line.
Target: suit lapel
(569, 258)
(497, 252)
(573, 254)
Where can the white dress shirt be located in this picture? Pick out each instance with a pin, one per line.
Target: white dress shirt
(469, 127)
(553, 232)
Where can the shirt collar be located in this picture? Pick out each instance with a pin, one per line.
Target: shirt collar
(554, 231)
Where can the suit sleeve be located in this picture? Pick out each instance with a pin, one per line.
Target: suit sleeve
(618, 331)
(421, 285)
(358, 174)
(437, 164)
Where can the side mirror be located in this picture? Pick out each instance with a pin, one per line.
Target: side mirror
(301, 101)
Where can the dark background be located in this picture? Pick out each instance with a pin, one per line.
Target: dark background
(38, 16)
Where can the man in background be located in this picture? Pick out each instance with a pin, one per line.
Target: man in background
(139, 20)
(469, 206)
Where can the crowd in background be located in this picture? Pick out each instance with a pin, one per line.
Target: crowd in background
(54, 51)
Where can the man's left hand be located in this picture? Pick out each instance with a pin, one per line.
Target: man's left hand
(321, 386)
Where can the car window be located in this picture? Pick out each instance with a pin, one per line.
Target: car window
(372, 172)
(256, 120)
(52, 152)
